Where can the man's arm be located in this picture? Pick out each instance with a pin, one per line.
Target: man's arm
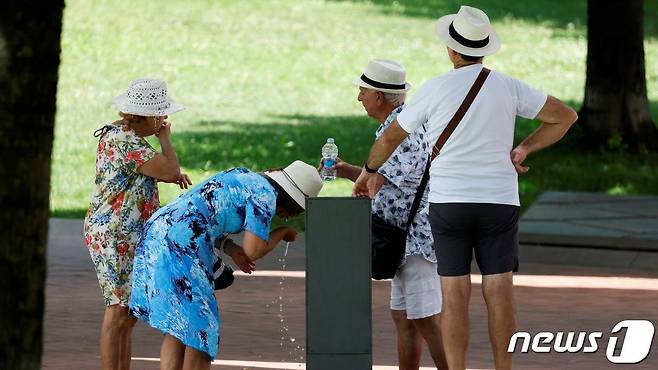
(345, 170)
(366, 183)
(556, 118)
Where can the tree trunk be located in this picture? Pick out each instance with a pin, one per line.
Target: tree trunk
(29, 58)
(615, 110)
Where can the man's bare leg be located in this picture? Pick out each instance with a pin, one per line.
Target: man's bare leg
(410, 343)
(498, 291)
(455, 324)
(430, 330)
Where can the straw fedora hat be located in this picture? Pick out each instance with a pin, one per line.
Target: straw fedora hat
(147, 97)
(300, 180)
(468, 32)
(385, 76)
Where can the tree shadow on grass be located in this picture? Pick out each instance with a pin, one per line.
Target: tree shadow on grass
(69, 213)
(575, 137)
(558, 14)
(216, 145)
(223, 144)
(213, 146)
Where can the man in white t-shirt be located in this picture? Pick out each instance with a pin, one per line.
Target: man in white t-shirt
(474, 202)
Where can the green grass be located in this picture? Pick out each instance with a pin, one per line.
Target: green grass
(266, 82)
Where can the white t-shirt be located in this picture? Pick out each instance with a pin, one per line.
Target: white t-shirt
(474, 165)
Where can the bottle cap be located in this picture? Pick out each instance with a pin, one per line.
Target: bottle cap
(330, 140)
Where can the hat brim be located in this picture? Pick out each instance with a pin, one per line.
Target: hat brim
(442, 25)
(361, 83)
(288, 187)
(121, 103)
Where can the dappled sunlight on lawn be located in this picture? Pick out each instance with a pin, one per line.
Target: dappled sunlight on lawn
(265, 83)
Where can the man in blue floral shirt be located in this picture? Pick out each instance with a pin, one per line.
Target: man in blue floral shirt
(416, 288)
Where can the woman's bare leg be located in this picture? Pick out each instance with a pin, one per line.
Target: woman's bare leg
(115, 337)
(196, 360)
(172, 353)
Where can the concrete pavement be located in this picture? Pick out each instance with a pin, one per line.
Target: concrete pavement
(550, 298)
(591, 229)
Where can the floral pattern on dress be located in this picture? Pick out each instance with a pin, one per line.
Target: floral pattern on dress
(403, 171)
(173, 274)
(123, 199)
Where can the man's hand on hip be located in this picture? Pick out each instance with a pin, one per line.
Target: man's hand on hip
(518, 155)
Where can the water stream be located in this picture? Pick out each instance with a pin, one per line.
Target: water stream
(287, 343)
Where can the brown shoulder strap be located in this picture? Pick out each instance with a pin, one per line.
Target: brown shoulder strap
(468, 100)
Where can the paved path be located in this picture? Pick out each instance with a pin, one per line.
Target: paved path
(550, 298)
(592, 229)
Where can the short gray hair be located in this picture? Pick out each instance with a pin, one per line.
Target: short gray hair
(395, 98)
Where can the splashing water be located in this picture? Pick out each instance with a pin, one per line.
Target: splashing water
(286, 342)
(282, 318)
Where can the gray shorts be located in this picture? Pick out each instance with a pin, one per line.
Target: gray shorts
(416, 288)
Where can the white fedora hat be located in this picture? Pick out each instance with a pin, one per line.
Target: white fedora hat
(300, 180)
(385, 76)
(468, 32)
(147, 97)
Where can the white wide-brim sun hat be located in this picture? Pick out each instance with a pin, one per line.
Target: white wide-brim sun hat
(468, 32)
(147, 97)
(300, 180)
(385, 76)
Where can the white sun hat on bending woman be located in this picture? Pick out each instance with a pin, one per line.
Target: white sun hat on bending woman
(300, 180)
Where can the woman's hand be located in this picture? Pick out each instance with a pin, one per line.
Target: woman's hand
(244, 263)
(287, 233)
(164, 131)
(183, 181)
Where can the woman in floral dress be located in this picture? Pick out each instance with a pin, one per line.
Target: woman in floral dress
(173, 275)
(125, 196)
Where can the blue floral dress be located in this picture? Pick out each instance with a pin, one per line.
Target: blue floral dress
(172, 276)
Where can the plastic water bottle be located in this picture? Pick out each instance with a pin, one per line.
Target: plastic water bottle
(329, 155)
